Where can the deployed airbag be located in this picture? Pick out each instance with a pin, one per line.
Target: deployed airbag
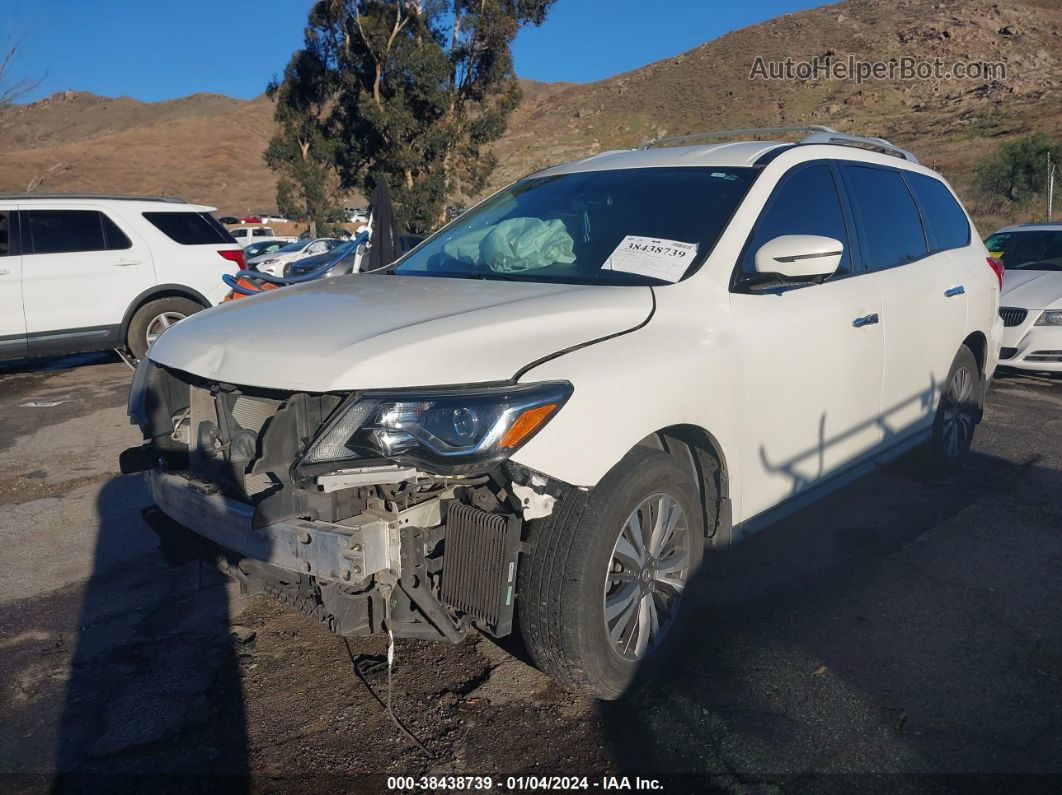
(515, 245)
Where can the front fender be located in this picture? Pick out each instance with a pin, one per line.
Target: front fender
(677, 370)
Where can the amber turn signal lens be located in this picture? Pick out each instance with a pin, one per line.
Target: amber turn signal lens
(526, 424)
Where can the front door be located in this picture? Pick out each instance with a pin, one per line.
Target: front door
(81, 272)
(812, 355)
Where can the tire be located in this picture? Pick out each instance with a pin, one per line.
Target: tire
(957, 416)
(146, 321)
(575, 557)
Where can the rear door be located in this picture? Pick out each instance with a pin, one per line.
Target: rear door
(12, 316)
(82, 268)
(812, 354)
(923, 296)
(192, 249)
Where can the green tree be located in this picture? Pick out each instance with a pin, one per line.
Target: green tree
(1018, 169)
(302, 153)
(416, 89)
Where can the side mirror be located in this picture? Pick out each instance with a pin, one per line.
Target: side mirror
(800, 257)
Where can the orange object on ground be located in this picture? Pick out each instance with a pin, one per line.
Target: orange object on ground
(249, 284)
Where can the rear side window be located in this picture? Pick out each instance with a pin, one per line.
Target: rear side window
(886, 216)
(945, 219)
(67, 231)
(806, 203)
(189, 228)
(262, 233)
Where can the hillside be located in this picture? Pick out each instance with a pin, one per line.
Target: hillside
(209, 148)
(203, 147)
(951, 124)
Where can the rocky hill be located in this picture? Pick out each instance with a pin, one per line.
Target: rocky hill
(209, 148)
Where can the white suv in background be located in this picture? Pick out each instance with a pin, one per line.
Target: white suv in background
(558, 403)
(87, 273)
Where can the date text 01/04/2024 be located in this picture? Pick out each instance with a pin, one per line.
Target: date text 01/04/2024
(520, 783)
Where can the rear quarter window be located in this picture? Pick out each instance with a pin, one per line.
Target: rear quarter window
(947, 224)
(190, 228)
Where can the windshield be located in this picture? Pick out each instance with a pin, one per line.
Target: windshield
(624, 226)
(1033, 250)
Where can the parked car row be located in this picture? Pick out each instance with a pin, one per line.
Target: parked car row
(246, 235)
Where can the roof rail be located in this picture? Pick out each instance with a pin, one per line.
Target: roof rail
(693, 137)
(833, 137)
(89, 196)
(817, 134)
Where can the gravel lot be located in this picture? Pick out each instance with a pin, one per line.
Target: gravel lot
(897, 628)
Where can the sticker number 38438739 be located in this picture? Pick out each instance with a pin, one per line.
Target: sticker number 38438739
(660, 259)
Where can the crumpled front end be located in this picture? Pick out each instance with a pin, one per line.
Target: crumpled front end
(425, 548)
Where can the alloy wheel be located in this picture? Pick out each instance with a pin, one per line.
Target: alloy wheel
(159, 324)
(647, 576)
(958, 420)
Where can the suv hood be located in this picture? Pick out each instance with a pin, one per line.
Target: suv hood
(380, 332)
(1032, 289)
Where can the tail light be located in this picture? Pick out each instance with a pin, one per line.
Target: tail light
(997, 268)
(235, 256)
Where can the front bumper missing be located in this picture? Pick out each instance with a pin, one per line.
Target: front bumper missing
(342, 553)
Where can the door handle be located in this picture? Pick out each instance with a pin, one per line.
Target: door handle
(866, 320)
(123, 263)
(955, 291)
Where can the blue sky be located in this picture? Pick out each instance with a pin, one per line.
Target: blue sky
(162, 50)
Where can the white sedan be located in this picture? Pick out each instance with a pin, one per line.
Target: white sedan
(1031, 301)
(274, 263)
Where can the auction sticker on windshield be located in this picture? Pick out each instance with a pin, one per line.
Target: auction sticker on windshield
(666, 260)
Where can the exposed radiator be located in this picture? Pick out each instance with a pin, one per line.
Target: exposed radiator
(479, 568)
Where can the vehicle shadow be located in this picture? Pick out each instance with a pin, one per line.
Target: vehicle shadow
(154, 697)
(892, 630)
(46, 364)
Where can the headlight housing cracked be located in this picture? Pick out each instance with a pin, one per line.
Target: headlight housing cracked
(443, 430)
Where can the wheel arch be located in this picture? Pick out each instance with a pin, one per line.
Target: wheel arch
(154, 294)
(977, 342)
(702, 455)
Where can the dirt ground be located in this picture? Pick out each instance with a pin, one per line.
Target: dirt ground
(897, 631)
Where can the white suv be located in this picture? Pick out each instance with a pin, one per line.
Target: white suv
(563, 400)
(87, 273)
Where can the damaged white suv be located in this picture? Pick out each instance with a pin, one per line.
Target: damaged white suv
(552, 409)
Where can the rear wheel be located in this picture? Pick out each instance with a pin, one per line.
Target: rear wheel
(152, 319)
(957, 415)
(604, 595)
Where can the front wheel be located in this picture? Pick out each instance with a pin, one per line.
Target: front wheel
(604, 596)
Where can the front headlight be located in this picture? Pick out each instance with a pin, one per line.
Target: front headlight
(1049, 317)
(442, 430)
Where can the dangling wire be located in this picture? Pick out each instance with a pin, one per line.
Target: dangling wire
(390, 666)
